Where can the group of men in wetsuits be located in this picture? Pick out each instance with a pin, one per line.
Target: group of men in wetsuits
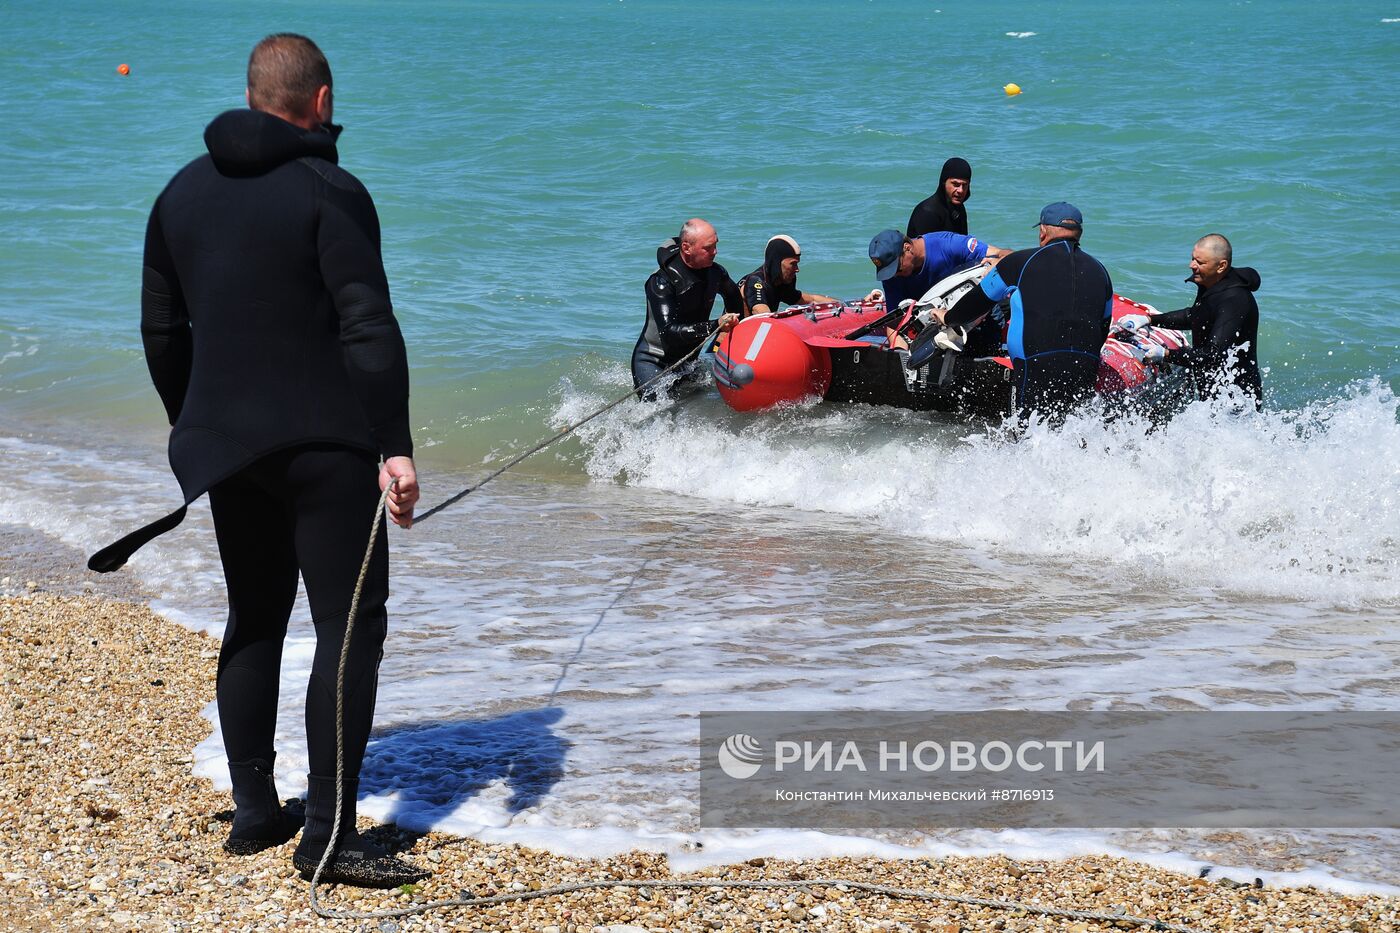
(1060, 299)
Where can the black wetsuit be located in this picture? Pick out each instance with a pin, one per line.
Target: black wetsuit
(1061, 305)
(270, 337)
(1224, 319)
(679, 301)
(757, 291)
(936, 213)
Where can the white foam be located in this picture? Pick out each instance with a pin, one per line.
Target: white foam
(1020, 35)
(1293, 503)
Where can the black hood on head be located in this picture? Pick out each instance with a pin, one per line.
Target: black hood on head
(774, 253)
(953, 168)
(250, 142)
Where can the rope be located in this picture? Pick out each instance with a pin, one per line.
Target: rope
(631, 582)
(865, 886)
(329, 854)
(1063, 913)
(451, 500)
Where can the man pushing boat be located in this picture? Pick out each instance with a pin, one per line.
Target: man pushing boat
(680, 294)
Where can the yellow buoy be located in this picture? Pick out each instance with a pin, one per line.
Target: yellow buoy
(1012, 90)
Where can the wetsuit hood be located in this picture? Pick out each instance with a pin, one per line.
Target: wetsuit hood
(778, 249)
(668, 258)
(251, 142)
(1245, 277)
(953, 168)
(667, 251)
(1235, 277)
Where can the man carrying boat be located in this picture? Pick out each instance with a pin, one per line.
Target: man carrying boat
(1061, 305)
(775, 282)
(680, 295)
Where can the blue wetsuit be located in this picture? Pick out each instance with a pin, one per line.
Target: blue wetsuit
(944, 254)
(1061, 306)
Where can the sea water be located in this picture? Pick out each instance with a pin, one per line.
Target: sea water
(555, 635)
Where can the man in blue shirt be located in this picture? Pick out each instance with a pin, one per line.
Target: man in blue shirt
(908, 267)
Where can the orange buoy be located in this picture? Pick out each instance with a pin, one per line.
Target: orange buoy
(123, 69)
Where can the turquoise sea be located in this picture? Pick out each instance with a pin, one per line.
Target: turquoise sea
(527, 157)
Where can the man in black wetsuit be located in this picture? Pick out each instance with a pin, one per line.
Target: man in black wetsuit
(680, 295)
(1061, 305)
(775, 282)
(943, 210)
(270, 337)
(1224, 323)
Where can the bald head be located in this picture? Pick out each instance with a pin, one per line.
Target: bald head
(289, 76)
(1216, 246)
(1210, 260)
(699, 243)
(696, 228)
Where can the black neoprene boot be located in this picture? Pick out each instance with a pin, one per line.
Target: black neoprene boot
(259, 819)
(357, 861)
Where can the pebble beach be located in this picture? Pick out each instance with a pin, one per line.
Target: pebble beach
(103, 825)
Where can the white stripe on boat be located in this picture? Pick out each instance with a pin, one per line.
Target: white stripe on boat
(757, 344)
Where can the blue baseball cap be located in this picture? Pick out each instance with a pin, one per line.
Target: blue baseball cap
(1062, 214)
(885, 250)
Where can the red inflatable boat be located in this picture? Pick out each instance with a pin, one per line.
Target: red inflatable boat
(837, 352)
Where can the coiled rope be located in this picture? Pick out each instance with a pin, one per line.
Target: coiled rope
(331, 913)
